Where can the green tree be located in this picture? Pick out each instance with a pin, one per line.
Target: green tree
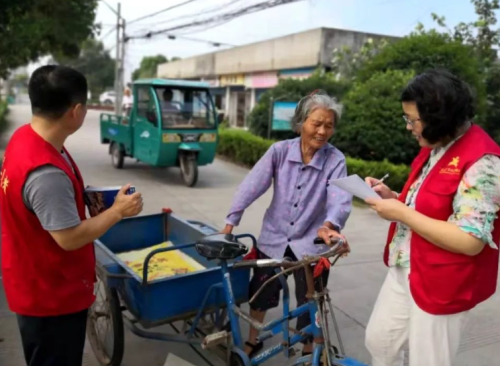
(478, 34)
(95, 63)
(484, 39)
(30, 29)
(148, 67)
(423, 50)
(346, 62)
(373, 127)
(291, 91)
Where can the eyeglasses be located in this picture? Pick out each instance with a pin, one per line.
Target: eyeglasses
(409, 121)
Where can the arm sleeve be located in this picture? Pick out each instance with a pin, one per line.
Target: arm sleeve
(255, 184)
(49, 193)
(477, 201)
(338, 201)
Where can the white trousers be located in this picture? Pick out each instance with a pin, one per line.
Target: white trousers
(397, 322)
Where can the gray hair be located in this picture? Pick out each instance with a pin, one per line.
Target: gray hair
(311, 102)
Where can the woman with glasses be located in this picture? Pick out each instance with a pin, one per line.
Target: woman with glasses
(442, 247)
(304, 204)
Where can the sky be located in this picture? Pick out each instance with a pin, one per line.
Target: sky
(390, 17)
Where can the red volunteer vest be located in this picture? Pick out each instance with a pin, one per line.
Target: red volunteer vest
(443, 282)
(40, 278)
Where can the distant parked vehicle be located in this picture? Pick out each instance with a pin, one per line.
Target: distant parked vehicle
(108, 97)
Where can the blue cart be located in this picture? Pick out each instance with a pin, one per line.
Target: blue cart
(206, 302)
(123, 298)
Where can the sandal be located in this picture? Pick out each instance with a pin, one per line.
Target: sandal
(255, 348)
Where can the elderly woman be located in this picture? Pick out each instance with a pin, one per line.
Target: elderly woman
(304, 205)
(442, 249)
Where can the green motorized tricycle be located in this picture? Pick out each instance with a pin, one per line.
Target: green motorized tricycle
(170, 123)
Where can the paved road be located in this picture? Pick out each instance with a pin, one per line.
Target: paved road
(354, 282)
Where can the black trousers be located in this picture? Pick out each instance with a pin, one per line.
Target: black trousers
(270, 297)
(54, 340)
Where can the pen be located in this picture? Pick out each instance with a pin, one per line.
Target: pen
(381, 180)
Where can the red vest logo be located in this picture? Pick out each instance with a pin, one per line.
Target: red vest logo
(452, 168)
(4, 180)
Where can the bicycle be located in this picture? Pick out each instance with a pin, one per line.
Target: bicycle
(224, 247)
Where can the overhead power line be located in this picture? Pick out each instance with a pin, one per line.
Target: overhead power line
(199, 13)
(108, 33)
(110, 7)
(222, 18)
(214, 43)
(161, 11)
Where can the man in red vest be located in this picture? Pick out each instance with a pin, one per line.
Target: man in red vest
(47, 241)
(442, 248)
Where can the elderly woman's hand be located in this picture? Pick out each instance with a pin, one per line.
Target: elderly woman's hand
(228, 229)
(326, 234)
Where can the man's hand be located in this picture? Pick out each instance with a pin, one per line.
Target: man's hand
(389, 209)
(128, 205)
(89, 230)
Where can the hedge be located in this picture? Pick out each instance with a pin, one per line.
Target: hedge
(245, 148)
(4, 109)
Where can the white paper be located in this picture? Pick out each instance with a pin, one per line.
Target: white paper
(355, 186)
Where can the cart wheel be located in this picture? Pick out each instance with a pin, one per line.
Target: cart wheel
(189, 169)
(117, 156)
(235, 360)
(105, 326)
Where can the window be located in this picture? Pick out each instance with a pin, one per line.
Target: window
(185, 108)
(145, 105)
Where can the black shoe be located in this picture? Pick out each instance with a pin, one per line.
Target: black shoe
(256, 348)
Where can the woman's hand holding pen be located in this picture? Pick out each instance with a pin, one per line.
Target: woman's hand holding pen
(389, 207)
(381, 189)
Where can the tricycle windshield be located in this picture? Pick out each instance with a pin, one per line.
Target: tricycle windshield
(185, 108)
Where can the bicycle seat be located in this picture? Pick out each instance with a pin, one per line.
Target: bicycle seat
(220, 246)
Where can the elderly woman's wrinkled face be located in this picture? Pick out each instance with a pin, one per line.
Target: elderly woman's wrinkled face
(318, 128)
(414, 123)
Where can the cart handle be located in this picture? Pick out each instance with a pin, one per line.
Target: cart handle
(156, 251)
(241, 236)
(179, 247)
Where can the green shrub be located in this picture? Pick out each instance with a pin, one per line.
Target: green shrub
(430, 49)
(4, 109)
(377, 169)
(241, 146)
(373, 127)
(291, 90)
(245, 148)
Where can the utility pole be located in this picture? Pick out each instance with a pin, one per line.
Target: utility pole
(118, 62)
(122, 64)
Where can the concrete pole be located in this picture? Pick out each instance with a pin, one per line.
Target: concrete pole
(118, 102)
(121, 76)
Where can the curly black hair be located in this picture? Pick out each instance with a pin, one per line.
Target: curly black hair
(445, 103)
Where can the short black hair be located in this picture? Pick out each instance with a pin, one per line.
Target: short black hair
(53, 89)
(168, 92)
(445, 103)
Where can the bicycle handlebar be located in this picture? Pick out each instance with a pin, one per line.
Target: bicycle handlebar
(285, 263)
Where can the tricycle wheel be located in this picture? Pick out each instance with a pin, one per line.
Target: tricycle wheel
(117, 156)
(105, 326)
(235, 360)
(189, 169)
